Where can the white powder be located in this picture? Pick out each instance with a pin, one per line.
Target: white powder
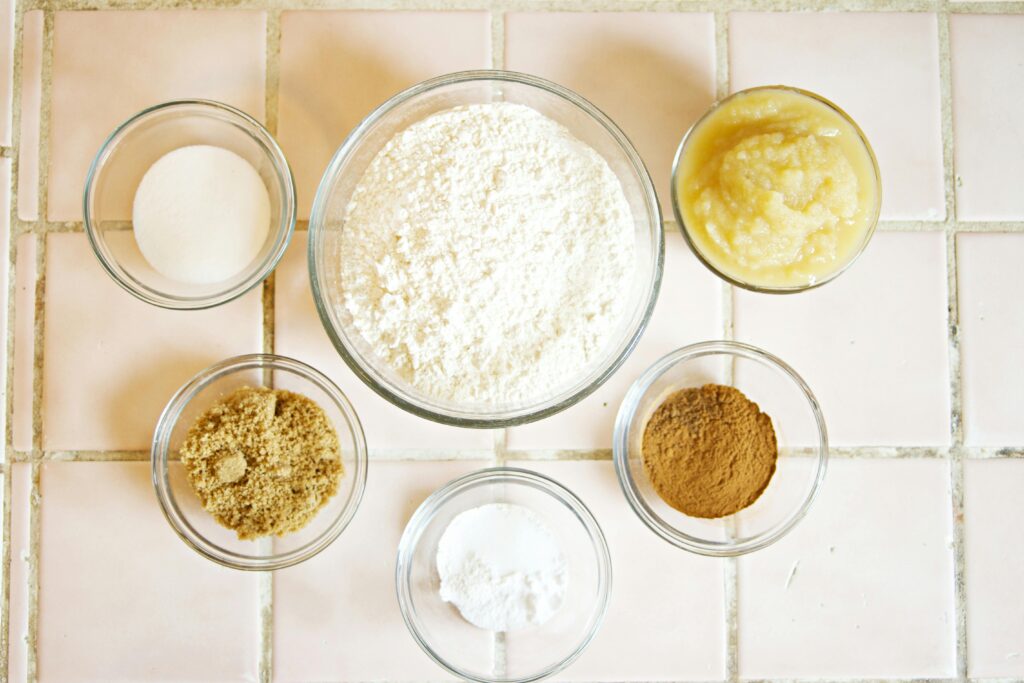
(201, 214)
(487, 255)
(502, 567)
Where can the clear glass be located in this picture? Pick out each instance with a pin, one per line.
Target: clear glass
(181, 505)
(529, 654)
(585, 122)
(760, 288)
(123, 160)
(799, 428)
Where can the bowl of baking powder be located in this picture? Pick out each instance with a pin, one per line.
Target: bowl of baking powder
(485, 249)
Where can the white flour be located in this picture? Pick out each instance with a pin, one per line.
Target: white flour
(487, 254)
(502, 567)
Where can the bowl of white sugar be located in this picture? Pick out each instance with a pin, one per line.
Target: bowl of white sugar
(485, 249)
(503, 575)
(189, 204)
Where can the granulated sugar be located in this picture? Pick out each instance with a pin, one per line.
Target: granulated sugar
(487, 254)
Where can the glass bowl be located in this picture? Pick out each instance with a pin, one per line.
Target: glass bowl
(123, 160)
(523, 655)
(762, 288)
(179, 502)
(799, 429)
(586, 123)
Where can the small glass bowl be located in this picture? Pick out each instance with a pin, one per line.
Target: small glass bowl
(586, 123)
(179, 502)
(123, 160)
(530, 654)
(799, 430)
(681, 150)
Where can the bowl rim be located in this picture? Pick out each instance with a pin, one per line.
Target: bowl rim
(763, 289)
(284, 228)
(416, 525)
(621, 440)
(161, 481)
(317, 219)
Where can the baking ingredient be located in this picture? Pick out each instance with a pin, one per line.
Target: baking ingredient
(201, 214)
(487, 255)
(263, 461)
(777, 189)
(709, 451)
(502, 567)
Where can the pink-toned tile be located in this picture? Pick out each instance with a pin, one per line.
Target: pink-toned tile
(883, 69)
(6, 68)
(688, 310)
(336, 67)
(336, 616)
(5, 232)
(994, 559)
(987, 72)
(174, 55)
(17, 612)
(31, 99)
(653, 73)
(299, 333)
(24, 340)
(645, 635)
(871, 344)
(138, 605)
(871, 565)
(111, 362)
(991, 337)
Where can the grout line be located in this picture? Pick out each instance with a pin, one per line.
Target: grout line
(5, 587)
(37, 349)
(956, 466)
(497, 40)
(32, 669)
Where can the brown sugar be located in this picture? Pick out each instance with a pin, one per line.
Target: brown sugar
(709, 451)
(263, 461)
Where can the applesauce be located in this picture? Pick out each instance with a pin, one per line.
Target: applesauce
(776, 189)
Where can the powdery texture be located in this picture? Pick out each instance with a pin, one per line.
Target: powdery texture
(709, 451)
(502, 567)
(487, 255)
(263, 461)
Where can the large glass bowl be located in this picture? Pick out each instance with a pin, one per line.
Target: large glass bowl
(179, 502)
(123, 160)
(799, 429)
(327, 222)
(518, 656)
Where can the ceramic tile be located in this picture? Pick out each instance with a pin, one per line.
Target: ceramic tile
(146, 606)
(112, 361)
(871, 344)
(6, 68)
(5, 232)
(336, 67)
(991, 337)
(24, 340)
(994, 552)
(843, 56)
(17, 609)
(299, 333)
(653, 73)
(336, 617)
(987, 73)
(688, 310)
(174, 55)
(643, 637)
(31, 98)
(862, 571)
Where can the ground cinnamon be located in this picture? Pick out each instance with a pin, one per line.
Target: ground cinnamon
(709, 451)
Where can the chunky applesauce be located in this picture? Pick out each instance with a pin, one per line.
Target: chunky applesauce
(776, 188)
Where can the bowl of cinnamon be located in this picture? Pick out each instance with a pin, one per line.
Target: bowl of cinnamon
(720, 448)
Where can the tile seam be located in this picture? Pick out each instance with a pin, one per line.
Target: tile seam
(956, 466)
(35, 499)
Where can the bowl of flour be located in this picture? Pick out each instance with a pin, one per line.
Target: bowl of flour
(503, 575)
(485, 249)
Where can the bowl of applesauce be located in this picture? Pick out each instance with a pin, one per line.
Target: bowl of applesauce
(776, 189)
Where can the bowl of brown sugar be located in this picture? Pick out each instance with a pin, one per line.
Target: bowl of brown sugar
(720, 448)
(259, 462)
